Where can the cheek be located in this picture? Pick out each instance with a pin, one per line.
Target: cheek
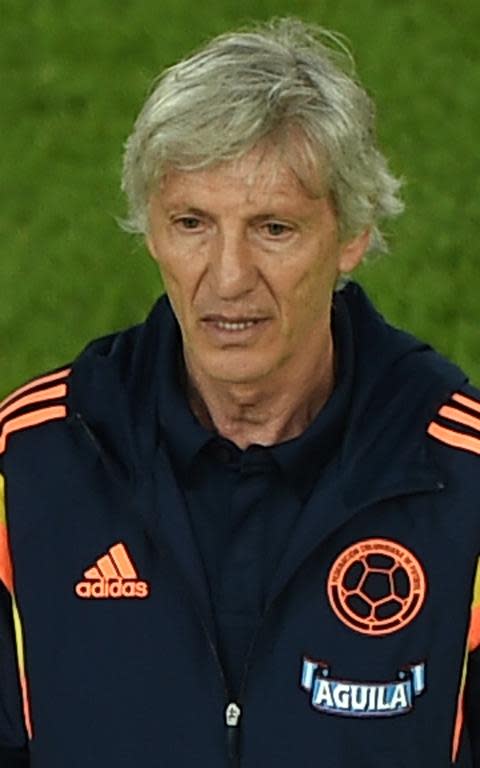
(182, 280)
(179, 270)
(307, 302)
(309, 291)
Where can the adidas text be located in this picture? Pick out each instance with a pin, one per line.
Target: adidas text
(115, 588)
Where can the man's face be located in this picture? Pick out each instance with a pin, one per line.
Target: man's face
(249, 261)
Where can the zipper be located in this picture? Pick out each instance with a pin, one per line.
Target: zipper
(232, 710)
(233, 714)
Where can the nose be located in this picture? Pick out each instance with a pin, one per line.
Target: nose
(233, 270)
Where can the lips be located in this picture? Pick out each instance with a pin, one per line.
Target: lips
(239, 323)
(233, 319)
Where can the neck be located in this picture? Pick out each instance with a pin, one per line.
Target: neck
(269, 411)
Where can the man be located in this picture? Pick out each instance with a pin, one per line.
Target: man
(246, 532)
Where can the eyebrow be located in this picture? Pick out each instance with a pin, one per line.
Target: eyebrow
(187, 209)
(193, 211)
(273, 215)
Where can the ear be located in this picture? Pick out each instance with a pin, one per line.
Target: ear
(149, 239)
(149, 242)
(352, 252)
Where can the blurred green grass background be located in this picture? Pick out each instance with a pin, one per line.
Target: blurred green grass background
(74, 77)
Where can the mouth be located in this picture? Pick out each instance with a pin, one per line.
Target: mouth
(239, 323)
(233, 325)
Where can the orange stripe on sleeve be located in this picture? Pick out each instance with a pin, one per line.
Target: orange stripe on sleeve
(467, 401)
(7, 577)
(22, 673)
(458, 727)
(53, 393)
(472, 643)
(474, 632)
(36, 383)
(455, 439)
(6, 574)
(30, 420)
(463, 418)
(26, 706)
(123, 562)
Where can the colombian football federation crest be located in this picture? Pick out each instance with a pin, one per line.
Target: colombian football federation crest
(334, 696)
(376, 587)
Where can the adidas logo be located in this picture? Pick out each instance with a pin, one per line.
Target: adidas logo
(113, 576)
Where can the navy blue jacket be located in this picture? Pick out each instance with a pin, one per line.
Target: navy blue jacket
(366, 654)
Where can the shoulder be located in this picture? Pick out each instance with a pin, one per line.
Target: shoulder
(40, 400)
(120, 360)
(47, 397)
(456, 423)
(409, 398)
(398, 377)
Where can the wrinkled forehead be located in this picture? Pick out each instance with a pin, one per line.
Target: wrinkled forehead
(278, 164)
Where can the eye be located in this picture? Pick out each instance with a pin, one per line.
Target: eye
(188, 222)
(276, 229)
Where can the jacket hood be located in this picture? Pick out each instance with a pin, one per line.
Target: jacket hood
(115, 383)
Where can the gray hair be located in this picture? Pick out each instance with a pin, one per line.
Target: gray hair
(262, 84)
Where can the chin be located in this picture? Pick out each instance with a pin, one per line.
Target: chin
(238, 374)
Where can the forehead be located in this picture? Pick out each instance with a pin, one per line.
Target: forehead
(263, 174)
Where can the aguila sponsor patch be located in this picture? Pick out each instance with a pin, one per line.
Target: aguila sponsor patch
(335, 696)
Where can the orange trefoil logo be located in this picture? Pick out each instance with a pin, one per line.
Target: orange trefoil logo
(113, 576)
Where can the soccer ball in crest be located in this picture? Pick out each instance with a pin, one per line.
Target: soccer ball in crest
(376, 586)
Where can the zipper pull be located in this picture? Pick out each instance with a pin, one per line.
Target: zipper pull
(233, 714)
